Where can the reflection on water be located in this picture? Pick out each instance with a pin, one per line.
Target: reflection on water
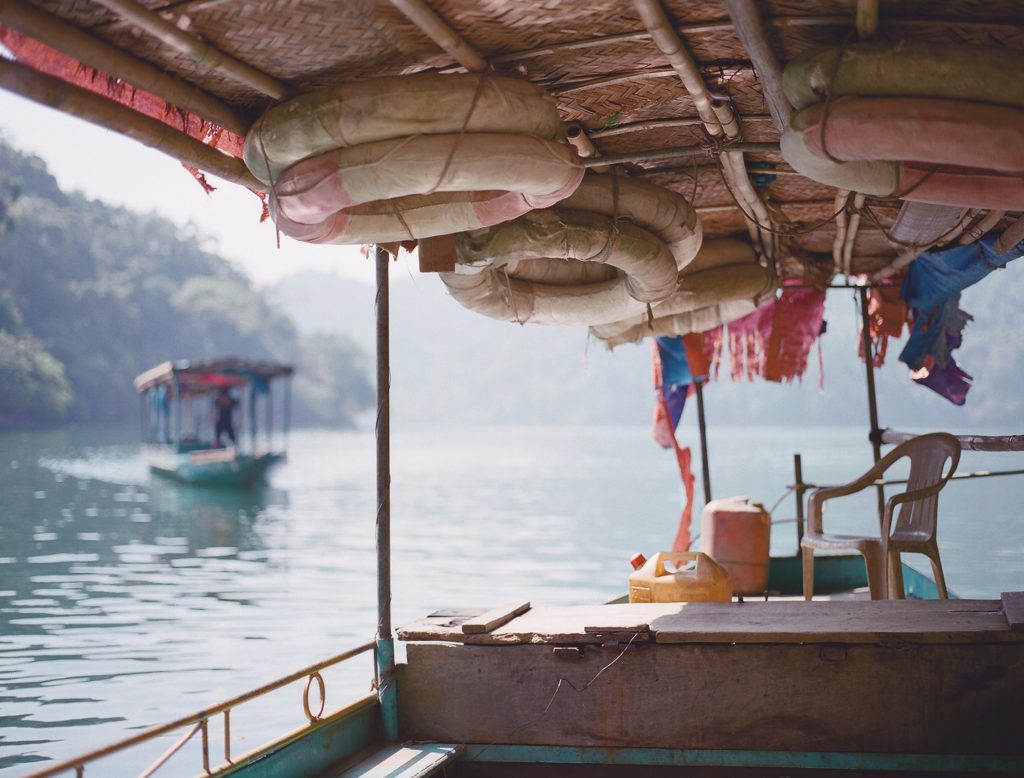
(127, 600)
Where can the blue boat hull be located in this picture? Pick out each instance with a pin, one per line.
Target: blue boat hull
(212, 467)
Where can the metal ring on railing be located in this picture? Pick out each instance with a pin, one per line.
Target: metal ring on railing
(315, 676)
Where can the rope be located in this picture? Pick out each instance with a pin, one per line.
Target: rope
(462, 131)
(270, 175)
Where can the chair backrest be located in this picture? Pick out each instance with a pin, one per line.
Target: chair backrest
(928, 456)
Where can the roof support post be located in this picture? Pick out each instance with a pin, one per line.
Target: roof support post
(387, 694)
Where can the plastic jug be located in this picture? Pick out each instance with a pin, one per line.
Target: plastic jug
(692, 577)
(735, 533)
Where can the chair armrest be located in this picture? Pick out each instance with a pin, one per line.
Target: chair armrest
(817, 498)
(902, 497)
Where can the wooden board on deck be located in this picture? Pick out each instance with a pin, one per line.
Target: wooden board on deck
(495, 617)
(920, 621)
(1013, 609)
(907, 621)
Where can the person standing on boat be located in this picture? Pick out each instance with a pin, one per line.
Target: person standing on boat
(223, 415)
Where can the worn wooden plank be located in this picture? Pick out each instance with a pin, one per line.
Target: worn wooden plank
(835, 622)
(495, 617)
(1013, 609)
(786, 621)
(874, 698)
(403, 761)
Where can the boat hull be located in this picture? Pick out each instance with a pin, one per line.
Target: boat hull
(212, 467)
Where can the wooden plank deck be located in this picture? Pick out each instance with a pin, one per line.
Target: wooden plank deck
(847, 621)
(900, 676)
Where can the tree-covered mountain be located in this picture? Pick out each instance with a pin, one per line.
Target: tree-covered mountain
(454, 365)
(91, 295)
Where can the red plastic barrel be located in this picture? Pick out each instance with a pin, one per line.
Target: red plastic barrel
(735, 533)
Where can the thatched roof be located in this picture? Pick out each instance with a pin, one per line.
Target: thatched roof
(596, 58)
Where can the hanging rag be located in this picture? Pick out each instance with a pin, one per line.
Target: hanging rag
(678, 362)
(932, 292)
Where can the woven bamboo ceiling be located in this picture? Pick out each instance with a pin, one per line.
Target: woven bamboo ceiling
(596, 58)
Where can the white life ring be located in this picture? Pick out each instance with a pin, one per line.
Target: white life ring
(603, 254)
(453, 183)
(411, 157)
(943, 89)
(698, 320)
(723, 283)
(567, 290)
(357, 112)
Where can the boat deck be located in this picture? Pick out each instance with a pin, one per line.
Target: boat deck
(899, 678)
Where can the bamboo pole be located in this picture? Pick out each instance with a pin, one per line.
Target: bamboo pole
(665, 38)
(681, 152)
(435, 28)
(851, 232)
(206, 55)
(867, 18)
(746, 18)
(982, 228)
(101, 55)
(840, 240)
(664, 124)
(1011, 236)
(967, 442)
(104, 112)
(717, 116)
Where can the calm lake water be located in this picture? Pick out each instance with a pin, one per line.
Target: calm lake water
(127, 600)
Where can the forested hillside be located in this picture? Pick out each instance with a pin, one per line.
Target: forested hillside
(91, 295)
(454, 365)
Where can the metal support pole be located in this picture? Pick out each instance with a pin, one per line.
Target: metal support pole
(704, 466)
(387, 694)
(269, 434)
(798, 491)
(875, 436)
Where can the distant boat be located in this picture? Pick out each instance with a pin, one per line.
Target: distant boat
(200, 420)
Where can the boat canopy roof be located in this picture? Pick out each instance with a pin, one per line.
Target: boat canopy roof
(210, 375)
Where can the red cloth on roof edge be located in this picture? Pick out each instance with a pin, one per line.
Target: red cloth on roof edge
(887, 314)
(774, 341)
(46, 59)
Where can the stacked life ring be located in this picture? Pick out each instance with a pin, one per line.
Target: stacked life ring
(723, 283)
(409, 157)
(608, 251)
(927, 123)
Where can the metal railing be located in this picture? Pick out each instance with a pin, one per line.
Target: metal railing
(200, 721)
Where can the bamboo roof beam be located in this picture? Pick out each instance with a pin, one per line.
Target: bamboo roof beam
(661, 124)
(1011, 236)
(680, 152)
(99, 54)
(746, 18)
(831, 20)
(94, 108)
(984, 226)
(867, 18)
(717, 116)
(204, 54)
(435, 28)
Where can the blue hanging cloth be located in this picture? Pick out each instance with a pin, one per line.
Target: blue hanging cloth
(932, 292)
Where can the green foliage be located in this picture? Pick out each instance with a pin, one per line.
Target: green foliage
(331, 389)
(92, 295)
(32, 383)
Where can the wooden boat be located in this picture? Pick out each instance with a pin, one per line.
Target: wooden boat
(694, 102)
(177, 422)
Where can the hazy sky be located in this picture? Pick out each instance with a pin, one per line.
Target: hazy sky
(110, 167)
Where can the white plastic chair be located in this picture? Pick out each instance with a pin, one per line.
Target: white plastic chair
(915, 526)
